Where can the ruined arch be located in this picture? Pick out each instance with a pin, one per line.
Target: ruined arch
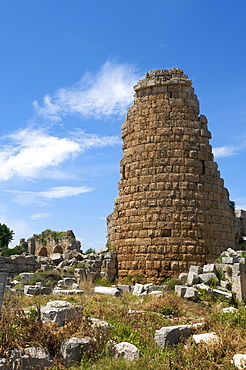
(58, 249)
(43, 252)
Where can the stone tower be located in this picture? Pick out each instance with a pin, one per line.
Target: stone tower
(172, 210)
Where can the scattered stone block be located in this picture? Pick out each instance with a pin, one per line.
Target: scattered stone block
(69, 281)
(222, 293)
(137, 289)
(231, 252)
(73, 348)
(171, 334)
(209, 268)
(124, 288)
(192, 278)
(156, 293)
(56, 257)
(207, 338)
(183, 277)
(107, 290)
(59, 312)
(239, 360)
(229, 260)
(180, 290)
(30, 358)
(126, 350)
(196, 269)
(99, 323)
(206, 277)
(191, 293)
(229, 310)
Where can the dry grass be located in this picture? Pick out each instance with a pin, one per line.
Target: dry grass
(20, 329)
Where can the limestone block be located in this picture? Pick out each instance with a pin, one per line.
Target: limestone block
(73, 348)
(30, 358)
(222, 293)
(59, 312)
(137, 289)
(69, 281)
(229, 310)
(183, 277)
(171, 334)
(209, 268)
(192, 278)
(229, 260)
(107, 290)
(207, 338)
(126, 350)
(156, 293)
(206, 277)
(124, 288)
(180, 290)
(239, 360)
(191, 293)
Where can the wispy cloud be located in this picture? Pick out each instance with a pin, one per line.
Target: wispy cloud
(37, 216)
(225, 151)
(29, 197)
(108, 92)
(34, 153)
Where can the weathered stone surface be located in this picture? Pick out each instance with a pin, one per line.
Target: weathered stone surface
(59, 312)
(195, 269)
(239, 360)
(206, 277)
(183, 277)
(25, 277)
(191, 293)
(180, 290)
(36, 290)
(156, 293)
(124, 288)
(208, 338)
(209, 268)
(138, 289)
(73, 348)
(171, 334)
(192, 278)
(30, 358)
(126, 350)
(172, 210)
(229, 310)
(107, 290)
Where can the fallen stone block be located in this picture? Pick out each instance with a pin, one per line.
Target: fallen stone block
(222, 293)
(59, 312)
(124, 288)
(126, 350)
(156, 293)
(208, 338)
(97, 323)
(229, 310)
(107, 290)
(196, 269)
(137, 289)
(192, 278)
(25, 277)
(30, 358)
(191, 293)
(209, 268)
(183, 277)
(171, 334)
(239, 360)
(206, 277)
(73, 348)
(180, 290)
(229, 260)
(58, 290)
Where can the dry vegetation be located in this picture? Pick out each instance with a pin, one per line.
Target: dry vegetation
(21, 327)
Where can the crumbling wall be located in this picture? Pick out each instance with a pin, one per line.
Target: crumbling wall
(48, 245)
(172, 210)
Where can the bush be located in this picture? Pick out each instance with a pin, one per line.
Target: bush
(11, 251)
(90, 250)
(47, 278)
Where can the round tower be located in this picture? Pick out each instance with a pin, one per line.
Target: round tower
(172, 210)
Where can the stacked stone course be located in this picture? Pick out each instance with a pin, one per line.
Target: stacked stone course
(172, 210)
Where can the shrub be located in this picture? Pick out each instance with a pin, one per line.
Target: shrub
(47, 278)
(90, 250)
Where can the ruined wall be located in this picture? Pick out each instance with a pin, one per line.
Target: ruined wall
(172, 210)
(46, 246)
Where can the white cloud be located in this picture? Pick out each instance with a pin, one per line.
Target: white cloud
(39, 215)
(33, 153)
(224, 151)
(108, 92)
(29, 197)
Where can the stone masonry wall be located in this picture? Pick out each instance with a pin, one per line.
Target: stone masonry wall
(172, 210)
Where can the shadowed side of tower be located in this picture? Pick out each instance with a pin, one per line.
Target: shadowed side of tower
(172, 210)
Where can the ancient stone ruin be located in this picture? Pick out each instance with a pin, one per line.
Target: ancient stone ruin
(172, 210)
(50, 242)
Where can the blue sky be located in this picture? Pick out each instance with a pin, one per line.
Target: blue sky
(67, 72)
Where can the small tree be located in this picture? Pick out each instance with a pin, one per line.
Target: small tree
(6, 235)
